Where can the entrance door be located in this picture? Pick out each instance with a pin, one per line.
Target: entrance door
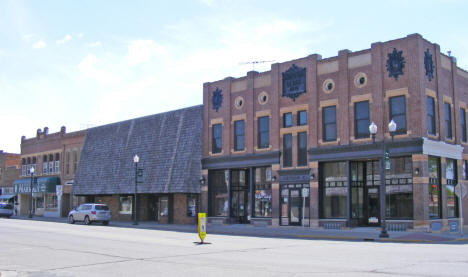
(239, 196)
(365, 186)
(295, 207)
(153, 208)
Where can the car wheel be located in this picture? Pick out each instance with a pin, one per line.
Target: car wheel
(71, 220)
(87, 221)
(105, 223)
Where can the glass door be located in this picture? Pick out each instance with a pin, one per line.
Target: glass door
(295, 207)
(239, 196)
(365, 185)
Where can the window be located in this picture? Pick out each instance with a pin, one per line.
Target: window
(465, 170)
(44, 168)
(239, 135)
(67, 166)
(451, 177)
(463, 124)
(361, 119)
(51, 167)
(263, 192)
(398, 113)
(301, 118)
(431, 128)
(287, 120)
(302, 149)
(287, 150)
(57, 166)
(329, 123)
(75, 160)
(163, 206)
(218, 192)
(216, 142)
(125, 205)
(399, 189)
(23, 170)
(448, 121)
(333, 190)
(263, 132)
(192, 200)
(434, 188)
(51, 201)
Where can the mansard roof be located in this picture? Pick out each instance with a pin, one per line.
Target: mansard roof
(168, 145)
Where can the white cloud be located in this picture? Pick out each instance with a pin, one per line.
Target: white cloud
(89, 67)
(93, 44)
(208, 2)
(65, 39)
(30, 38)
(39, 44)
(80, 35)
(141, 51)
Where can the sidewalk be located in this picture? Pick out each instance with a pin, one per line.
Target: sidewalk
(354, 234)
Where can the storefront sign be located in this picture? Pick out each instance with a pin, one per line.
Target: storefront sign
(453, 226)
(336, 191)
(202, 226)
(262, 195)
(294, 178)
(25, 188)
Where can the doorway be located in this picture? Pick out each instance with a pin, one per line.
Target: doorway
(295, 204)
(240, 196)
(365, 189)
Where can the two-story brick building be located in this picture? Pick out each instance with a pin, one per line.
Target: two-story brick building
(54, 157)
(9, 171)
(292, 146)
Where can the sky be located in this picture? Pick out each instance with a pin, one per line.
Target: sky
(87, 63)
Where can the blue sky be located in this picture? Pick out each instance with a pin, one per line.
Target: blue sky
(88, 63)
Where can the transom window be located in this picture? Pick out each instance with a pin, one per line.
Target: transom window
(287, 120)
(301, 118)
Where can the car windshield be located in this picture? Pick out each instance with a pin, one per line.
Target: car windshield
(102, 208)
(6, 206)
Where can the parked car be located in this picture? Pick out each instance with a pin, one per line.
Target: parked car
(89, 213)
(6, 209)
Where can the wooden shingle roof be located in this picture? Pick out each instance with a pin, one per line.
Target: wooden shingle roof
(168, 144)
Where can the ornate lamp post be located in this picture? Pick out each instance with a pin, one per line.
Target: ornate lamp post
(373, 130)
(136, 159)
(31, 171)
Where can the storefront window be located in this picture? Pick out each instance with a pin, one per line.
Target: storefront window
(125, 205)
(39, 202)
(217, 186)
(51, 201)
(263, 192)
(192, 200)
(399, 188)
(334, 190)
(451, 177)
(163, 206)
(434, 187)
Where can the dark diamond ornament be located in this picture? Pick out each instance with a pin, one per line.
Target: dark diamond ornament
(395, 64)
(429, 65)
(217, 99)
(294, 82)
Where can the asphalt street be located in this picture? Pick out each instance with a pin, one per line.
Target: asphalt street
(39, 248)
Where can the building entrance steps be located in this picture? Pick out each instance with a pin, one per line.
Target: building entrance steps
(290, 232)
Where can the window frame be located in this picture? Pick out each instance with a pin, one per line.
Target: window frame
(325, 123)
(266, 126)
(448, 120)
(357, 134)
(463, 124)
(239, 136)
(287, 151)
(400, 130)
(301, 152)
(430, 107)
(287, 120)
(299, 122)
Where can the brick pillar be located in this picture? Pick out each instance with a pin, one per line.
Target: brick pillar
(420, 191)
(314, 195)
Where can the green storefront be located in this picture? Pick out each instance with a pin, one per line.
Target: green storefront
(45, 195)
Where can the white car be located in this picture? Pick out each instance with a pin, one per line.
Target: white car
(6, 209)
(89, 213)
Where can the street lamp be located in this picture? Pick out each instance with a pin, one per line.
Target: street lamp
(31, 171)
(373, 131)
(136, 159)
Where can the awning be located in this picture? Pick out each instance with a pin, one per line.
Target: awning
(6, 196)
(41, 184)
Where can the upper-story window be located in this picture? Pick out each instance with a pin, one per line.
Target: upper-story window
(431, 128)
(239, 135)
(302, 148)
(287, 150)
(463, 124)
(301, 118)
(264, 132)
(57, 163)
(329, 123)
(287, 120)
(361, 119)
(75, 160)
(51, 164)
(398, 113)
(67, 165)
(448, 120)
(216, 142)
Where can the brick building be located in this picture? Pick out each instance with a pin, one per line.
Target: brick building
(54, 158)
(292, 146)
(169, 149)
(9, 171)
